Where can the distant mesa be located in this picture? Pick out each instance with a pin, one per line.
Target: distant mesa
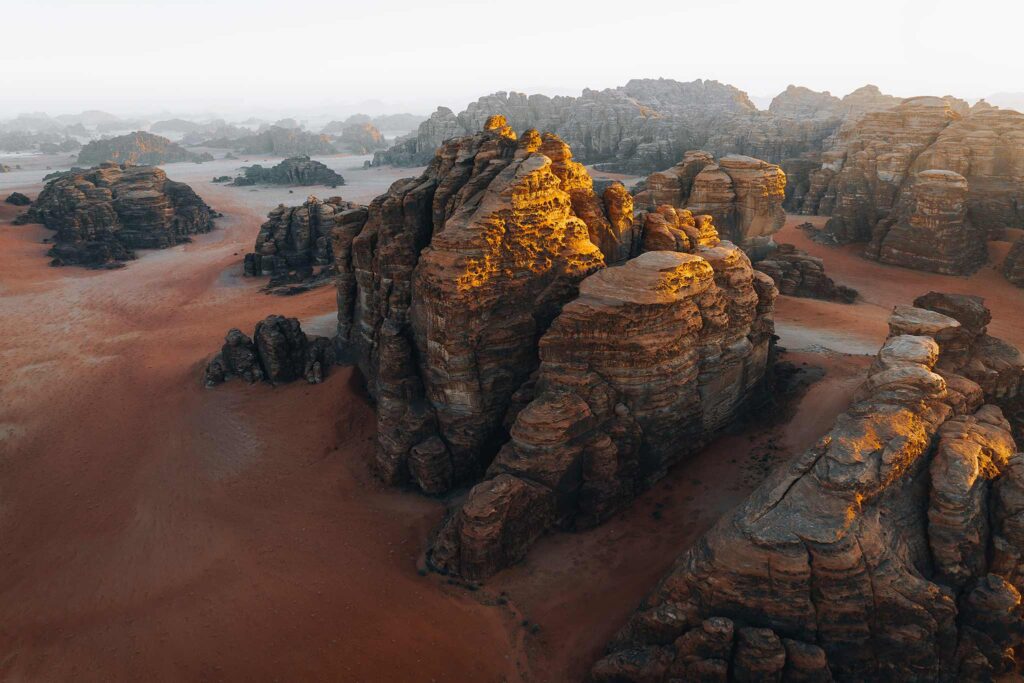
(18, 199)
(295, 246)
(102, 215)
(278, 141)
(138, 149)
(361, 138)
(278, 352)
(297, 170)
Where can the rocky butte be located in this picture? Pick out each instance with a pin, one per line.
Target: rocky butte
(137, 149)
(295, 245)
(887, 163)
(891, 550)
(278, 352)
(102, 215)
(300, 170)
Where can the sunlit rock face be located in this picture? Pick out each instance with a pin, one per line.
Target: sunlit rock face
(891, 550)
(743, 195)
(102, 215)
(447, 286)
(137, 149)
(639, 371)
(933, 231)
(649, 124)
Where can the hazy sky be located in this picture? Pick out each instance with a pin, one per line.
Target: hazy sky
(237, 56)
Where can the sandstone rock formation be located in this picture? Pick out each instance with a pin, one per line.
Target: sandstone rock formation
(648, 124)
(361, 138)
(743, 195)
(101, 215)
(300, 170)
(278, 352)
(639, 371)
(18, 199)
(294, 245)
(1013, 266)
(867, 181)
(137, 149)
(446, 288)
(888, 551)
(797, 273)
(933, 233)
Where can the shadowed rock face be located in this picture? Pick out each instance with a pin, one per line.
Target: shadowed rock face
(295, 244)
(277, 140)
(446, 288)
(18, 199)
(101, 215)
(294, 171)
(933, 233)
(649, 123)
(797, 273)
(137, 149)
(743, 195)
(640, 370)
(278, 352)
(1013, 266)
(888, 551)
(867, 181)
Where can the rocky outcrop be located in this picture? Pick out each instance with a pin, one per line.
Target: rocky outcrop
(446, 288)
(294, 245)
(743, 195)
(934, 232)
(137, 149)
(1013, 266)
(300, 170)
(639, 371)
(361, 138)
(797, 273)
(103, 214)
(278, 352)
(18, 199)
(874, 159)
(888, 551)
(646, 124)
(867, 181)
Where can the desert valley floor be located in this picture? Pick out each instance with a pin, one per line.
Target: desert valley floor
(185, 533)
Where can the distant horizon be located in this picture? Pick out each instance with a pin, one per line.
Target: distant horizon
(313, 57)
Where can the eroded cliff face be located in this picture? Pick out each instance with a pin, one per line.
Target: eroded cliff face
(743, 195)
(869, 182)
(933, 232)
(888, 551)
(295, 244)
(445, 290)
(1013, 266)
(103, 214)
(646, 365)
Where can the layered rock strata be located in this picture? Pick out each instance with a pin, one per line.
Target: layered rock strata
(744, 196)
(278, 352)
(869, 175)
(640, 370)
(797, 273)
(300, 170)
(295, 244)
(446, 288)
(137, 149)
(934, 232)
(103, 214)
(888, 551)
